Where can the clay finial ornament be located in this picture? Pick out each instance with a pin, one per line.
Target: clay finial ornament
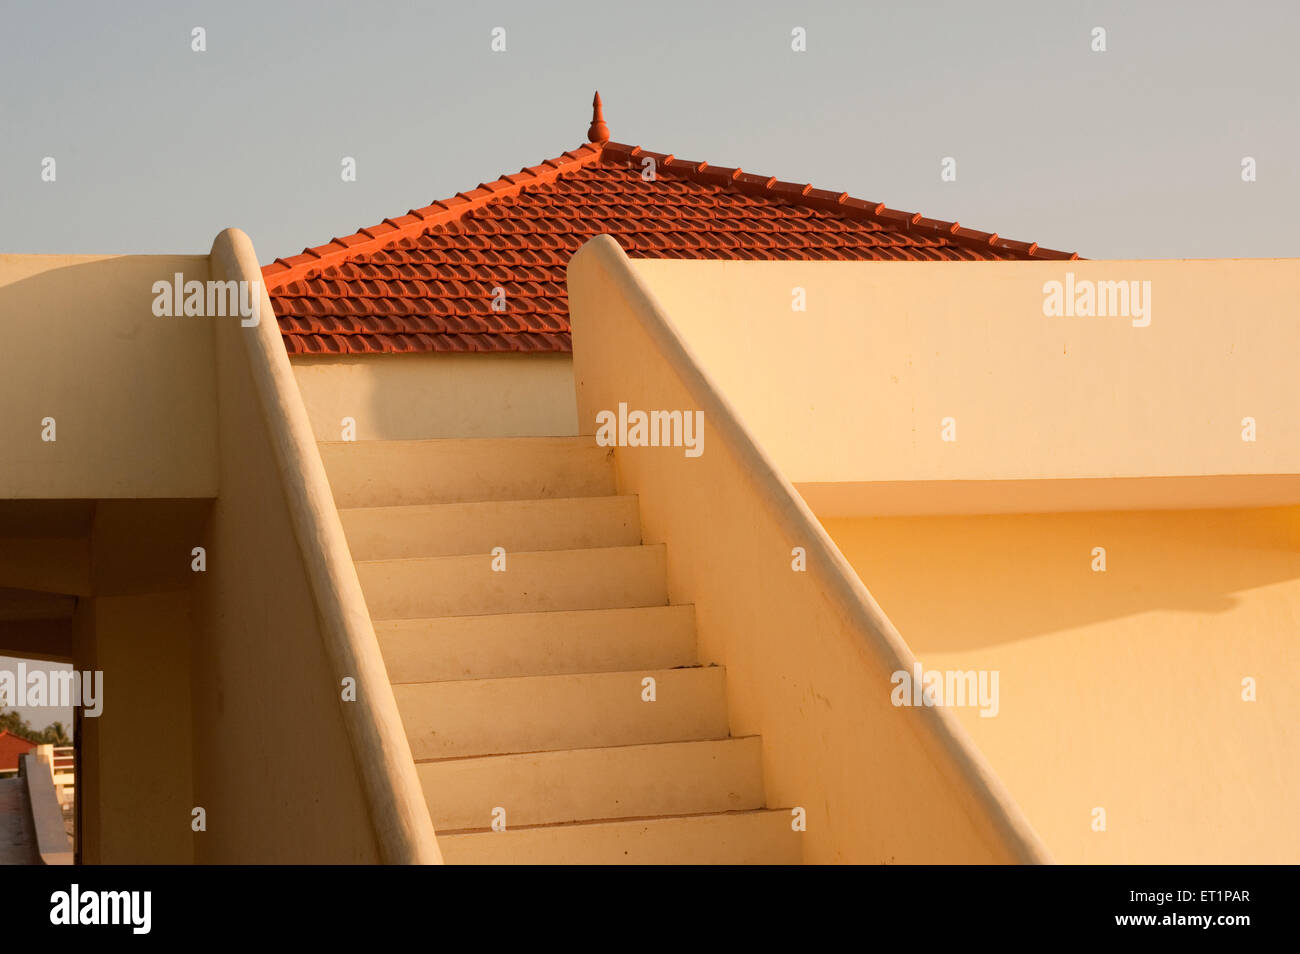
(598, 131)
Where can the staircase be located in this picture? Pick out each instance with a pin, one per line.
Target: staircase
(521, 689)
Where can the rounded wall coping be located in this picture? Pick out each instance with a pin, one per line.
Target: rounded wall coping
(826, 565)
(399, 814)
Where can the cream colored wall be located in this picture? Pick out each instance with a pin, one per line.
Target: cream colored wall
(1122, 689)
(212, 679)
(137, 627)
(108, 512)
(807, 652)
(273, 767)
(851, 393)
(417, 396)
(132, 394)
(1119, 690)
(287, 651)
(137, 770)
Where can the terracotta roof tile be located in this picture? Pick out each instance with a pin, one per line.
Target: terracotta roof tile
(425, 281)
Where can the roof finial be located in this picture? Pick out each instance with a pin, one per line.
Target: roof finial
(598, 132)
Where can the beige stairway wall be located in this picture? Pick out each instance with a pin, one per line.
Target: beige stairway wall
(808, 653)
(420, 396)
(288, 768)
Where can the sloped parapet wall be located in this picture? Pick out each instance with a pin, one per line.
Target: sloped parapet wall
(299, 770)
(1096, 510)
(809, 655)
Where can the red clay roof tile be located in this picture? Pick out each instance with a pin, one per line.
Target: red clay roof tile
(425, 281)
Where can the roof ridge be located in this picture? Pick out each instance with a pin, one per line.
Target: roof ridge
(284, 271)
(841, 202)
(415, 222)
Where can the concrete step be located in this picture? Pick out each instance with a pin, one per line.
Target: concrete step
(631, 781)
(561, 523)
(532, 581)
(549, 713)
(538, 644)
(397, 473)
(742, 838)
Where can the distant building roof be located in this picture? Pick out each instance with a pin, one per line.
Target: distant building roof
(12, 746)
(424, 281)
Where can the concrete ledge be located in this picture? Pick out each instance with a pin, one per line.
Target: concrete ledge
(46, 813)
(889, 498)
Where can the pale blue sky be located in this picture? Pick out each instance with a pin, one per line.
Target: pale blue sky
(1134, 152)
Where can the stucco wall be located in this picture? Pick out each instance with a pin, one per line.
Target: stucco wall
(132, 395)
(107, 512)
(218, 692)
(273, 767)
(853, 391)
(418, 396)
(1119, 689)
(807, 652)
(136, 772)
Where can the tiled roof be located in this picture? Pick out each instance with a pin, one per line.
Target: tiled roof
(424, 281)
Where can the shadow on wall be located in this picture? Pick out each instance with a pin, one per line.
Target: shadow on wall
(1160, 692)
(954, 584)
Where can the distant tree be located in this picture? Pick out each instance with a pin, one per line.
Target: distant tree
(13, 722)
(53, 734)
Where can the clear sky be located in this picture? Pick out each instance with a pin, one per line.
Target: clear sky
(1132, 152)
